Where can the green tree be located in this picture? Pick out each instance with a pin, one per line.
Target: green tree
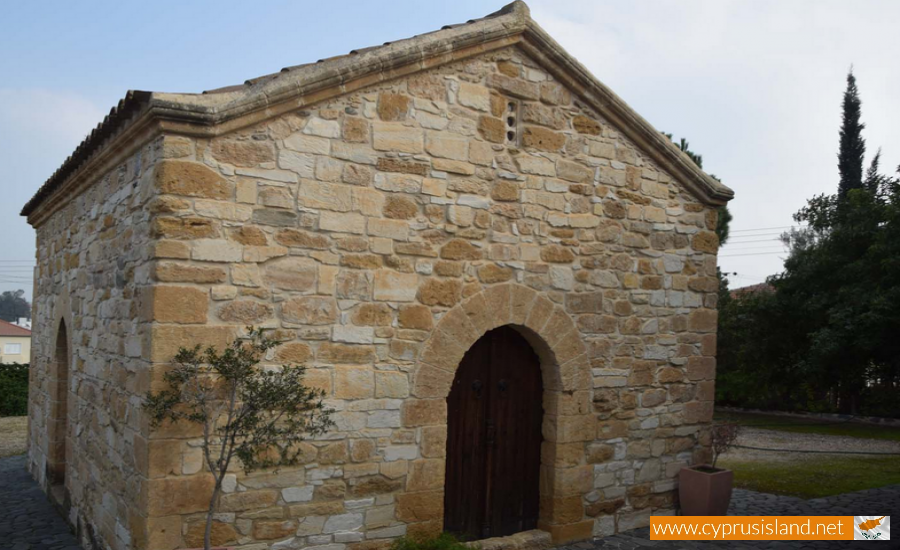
(825, 337)
(13, 305)
(256, 415)
(852, 145)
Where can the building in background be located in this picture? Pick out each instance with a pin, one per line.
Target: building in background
(23, 322)
(15, 343)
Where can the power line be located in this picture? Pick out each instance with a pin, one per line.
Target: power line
(764, 247)
(751, 254)
(764, 228)
(749, 242)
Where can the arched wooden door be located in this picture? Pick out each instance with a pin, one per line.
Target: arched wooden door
(494, 414)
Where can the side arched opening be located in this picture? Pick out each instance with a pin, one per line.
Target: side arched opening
(58, 421)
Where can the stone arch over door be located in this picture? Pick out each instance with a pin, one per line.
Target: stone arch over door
(568, 423)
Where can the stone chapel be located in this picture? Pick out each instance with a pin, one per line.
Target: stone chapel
(503, 277)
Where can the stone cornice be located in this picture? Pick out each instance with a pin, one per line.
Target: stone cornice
(142, 115)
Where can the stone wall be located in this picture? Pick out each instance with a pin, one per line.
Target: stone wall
(88, 377)
(354, 228)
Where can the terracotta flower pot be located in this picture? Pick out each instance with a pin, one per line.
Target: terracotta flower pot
(704, 490)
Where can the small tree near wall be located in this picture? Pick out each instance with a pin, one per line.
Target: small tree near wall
(255, 414)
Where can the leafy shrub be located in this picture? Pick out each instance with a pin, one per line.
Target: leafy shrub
(13, 389)
(444, 541)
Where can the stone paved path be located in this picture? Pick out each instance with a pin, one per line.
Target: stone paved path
(27, 520)
(881, 501)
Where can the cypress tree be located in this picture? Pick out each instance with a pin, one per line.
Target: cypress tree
(853, 146)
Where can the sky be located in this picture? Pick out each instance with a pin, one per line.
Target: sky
(754, 85)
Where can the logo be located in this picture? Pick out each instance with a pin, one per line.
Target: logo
(871, 528)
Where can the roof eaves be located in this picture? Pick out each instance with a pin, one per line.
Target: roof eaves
(392, 59)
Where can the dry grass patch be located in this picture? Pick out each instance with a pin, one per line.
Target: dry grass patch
(13, 435)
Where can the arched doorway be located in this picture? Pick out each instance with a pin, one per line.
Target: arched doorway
(59, 417)
(494, 415)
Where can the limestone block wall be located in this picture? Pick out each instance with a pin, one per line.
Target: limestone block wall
(379, 234)
(87, 445)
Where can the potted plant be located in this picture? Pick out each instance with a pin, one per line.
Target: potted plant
(705, 490)
(257, 415)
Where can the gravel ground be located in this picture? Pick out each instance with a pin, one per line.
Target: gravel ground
(13, 435)
(772, 439)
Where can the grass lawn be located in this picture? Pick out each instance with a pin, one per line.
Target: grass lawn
(13, 435)
(811, 425)
(816, 477)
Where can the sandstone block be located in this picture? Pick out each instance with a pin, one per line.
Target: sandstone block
(492, 129)
(562, 510)
(246, 312)
(392, 286)
(585, 125)
(171, 272)
(543, 139)
(538, 166)
(166, 340)
(705, 241)
(342, 223)
(492, 273)
(372, 315)
(164, 532)
(179, 495)
(393, 106)
(325, 196)
(323, 128)
(291, 274)
(442, 145)
(184, 228)
(391, 385)
(310, 310)
(356, 129)
(703, 320)
(216, 250)
(302, 239)
(308, 144)
(270, 530)
(424, 506)
(221, 534)
(392, 229)
(399, 208)
(178, 177)
(698, 411)
(426, 475)
(424, 412)
(555, 253)
(178, 304)
(304, 164)
(415, 317)
(428, 86)
(701, 368)
(440, 292)
(294, 352)
(334, 353)
(275, 217)
(515, 87)
(400, 139)
(474, 96)
(459, 249)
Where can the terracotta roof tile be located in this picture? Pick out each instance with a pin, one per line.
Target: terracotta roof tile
(9, 329)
